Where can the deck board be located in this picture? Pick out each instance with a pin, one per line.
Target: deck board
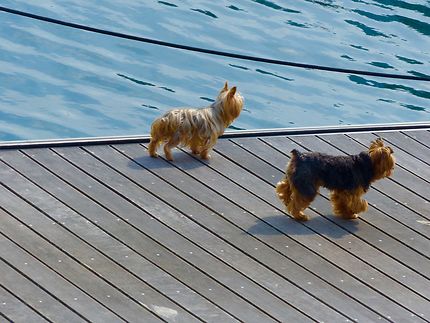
(423, 137)
(35, 296)
(13, 309)
(105, 233)
(185, 213)
(118, 239)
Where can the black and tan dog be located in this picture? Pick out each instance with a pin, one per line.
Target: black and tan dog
(347, 177)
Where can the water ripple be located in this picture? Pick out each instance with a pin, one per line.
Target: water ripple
(273, 74)
(275, 6)
(409, 60)
(369, 31)
(425, 10)
(419, 26)
(381, 65)
(389, 86)
(206, 12)
(135, 80)
(168, 4)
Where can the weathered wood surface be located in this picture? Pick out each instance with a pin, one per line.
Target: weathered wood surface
(108, 234)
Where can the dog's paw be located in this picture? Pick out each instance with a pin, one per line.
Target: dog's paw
(350, 216)
(195, 151)
(301, 217)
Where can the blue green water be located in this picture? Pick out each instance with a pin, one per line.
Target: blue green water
(57, 82)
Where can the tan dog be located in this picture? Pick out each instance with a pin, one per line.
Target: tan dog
(347, 177)
(198, 129)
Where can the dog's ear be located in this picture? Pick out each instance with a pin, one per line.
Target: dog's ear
(378, 143)
(225, 88)
(232, 92)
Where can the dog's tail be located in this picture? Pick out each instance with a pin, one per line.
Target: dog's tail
(283, 190)
(158, 129)
(294, 154)
(159, 126)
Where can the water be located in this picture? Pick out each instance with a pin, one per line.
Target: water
(57, 82)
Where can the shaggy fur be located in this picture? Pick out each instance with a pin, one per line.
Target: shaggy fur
(347, 177)
(198, 129)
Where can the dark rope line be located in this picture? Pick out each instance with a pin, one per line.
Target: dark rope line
(213, 52)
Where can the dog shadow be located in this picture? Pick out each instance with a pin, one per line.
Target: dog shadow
(329, 226)
(181, 160)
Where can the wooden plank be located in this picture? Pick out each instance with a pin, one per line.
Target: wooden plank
(403, 159)
(310, 261)
(112, 242)
(14, 310)
(35, 297)
(422, 137)
(386, 224)
(179, 256)
(236, 237)
(81, 274)
(249, 274)
(112, 269)
(408, 145)
(260, 188)
(50, 280)
(209, 238)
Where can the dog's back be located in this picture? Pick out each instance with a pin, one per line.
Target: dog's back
(333, 172)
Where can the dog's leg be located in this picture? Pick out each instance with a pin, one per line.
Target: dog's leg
(358, 204)
(194, 146)
(298, 204)
(195, 149)
(345, 204)
(172, 143)
(204, 153)
(153, 146)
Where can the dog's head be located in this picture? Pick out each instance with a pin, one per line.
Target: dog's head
(231, 103)
(382, 159)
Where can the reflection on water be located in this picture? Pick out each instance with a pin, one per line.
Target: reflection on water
(57, 82)
(206, 12)
(419, 26)
(273, 74)
(273, 5)
(136, 81)
(369, 31)
(362, 81)
(207, 99)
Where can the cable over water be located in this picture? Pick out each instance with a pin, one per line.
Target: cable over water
(213, 52)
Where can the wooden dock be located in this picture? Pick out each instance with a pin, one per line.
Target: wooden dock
(104, 233)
